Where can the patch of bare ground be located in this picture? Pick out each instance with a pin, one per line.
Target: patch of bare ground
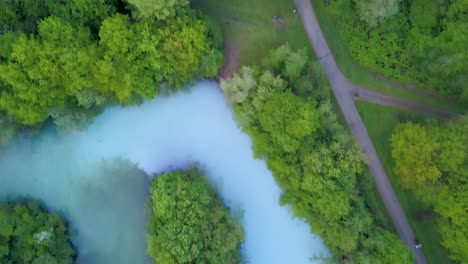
(280, 22)
(232, 53)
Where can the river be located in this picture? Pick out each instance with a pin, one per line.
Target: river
(98, 178)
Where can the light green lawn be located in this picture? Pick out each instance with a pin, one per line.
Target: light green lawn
(380, 122)
(250, 25)
(362, 76)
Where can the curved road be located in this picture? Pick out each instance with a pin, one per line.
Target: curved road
(343, 90)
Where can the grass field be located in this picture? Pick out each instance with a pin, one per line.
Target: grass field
(361, 75)
(251, 27)
(380, 122)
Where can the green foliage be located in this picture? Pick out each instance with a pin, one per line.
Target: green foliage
(427, 21)
(82, 56)
(314, 161)
(284, 122)
(414, 153)
(28, 234)
(161, 9)
(43, 71)
(423, 48)
(85, 12)
(210, 63)
(437, 156)
(6, 41)
(385, 248)
(236, 88)
(21, 15)
(128, 67)
(287, 63)
(190, 223)
(375, 11)
(183, 43)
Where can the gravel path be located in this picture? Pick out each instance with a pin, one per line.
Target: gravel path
(343, 90)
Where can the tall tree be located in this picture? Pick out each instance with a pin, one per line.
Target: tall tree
(43, 71)
(29, 234)
(85, 12)
(184, 42)
(128, 67)
(414, 154)
(190, 224)
(21, 15)
(237, 87)
(160, 9)
(421, 149)
(375, 11)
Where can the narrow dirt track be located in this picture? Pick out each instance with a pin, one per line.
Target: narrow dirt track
(396, 102)
(343, 90)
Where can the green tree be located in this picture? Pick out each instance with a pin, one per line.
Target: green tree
(384, 247)
(85, 12)
(237, 87)
(128, 68)
(375, 11)
(287, 63)
(285, 119)
(190, 223)
(161, 9)
(413, 150)
(28, 234)
(425, 21)
(183, 44)
(21, 15)
(440, 148)
(44, 71)
(210, 63)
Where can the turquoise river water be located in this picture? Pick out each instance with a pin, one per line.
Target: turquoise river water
(98, 178)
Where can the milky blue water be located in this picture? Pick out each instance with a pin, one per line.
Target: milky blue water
(104, 197)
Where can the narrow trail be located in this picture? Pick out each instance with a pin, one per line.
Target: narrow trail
(343, 90)
(388, 100)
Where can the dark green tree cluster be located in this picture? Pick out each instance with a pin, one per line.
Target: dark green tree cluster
(432, 160)
(29, 234)
(414, 41)
(289, 116)
(66, 60)
(190, 223)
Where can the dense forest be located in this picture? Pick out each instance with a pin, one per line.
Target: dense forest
(65, 60)
(420, 42)
(29, 234)
(190, 223)
(432, 160)
(286, 108)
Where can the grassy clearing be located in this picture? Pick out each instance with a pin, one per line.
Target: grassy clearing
(360, 75)
(251, 26)
(380, 122)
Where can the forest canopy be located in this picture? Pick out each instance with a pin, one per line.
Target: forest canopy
(432, 160)
(288, 113)
(29, 234)
(418, 42)
(66, 60)
(190, 223)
